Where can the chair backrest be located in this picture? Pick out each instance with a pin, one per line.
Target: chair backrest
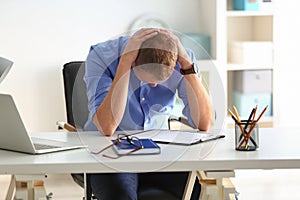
(75, 94)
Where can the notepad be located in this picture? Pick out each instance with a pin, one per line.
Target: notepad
(149, 147)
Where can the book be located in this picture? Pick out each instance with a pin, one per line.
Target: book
(149, 147)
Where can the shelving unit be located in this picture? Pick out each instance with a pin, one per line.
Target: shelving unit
(248, 26)
(225, 25)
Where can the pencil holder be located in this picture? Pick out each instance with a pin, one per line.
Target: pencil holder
(246, 136)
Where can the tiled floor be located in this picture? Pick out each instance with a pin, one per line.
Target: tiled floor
(251, 184)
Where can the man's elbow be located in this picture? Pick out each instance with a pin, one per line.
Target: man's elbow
(107, 131)
(205, 125)
(104, 128)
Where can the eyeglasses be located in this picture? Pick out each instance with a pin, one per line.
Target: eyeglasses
(124, 140)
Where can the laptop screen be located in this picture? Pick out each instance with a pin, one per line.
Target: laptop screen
(5, 66)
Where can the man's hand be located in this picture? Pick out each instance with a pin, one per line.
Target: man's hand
(183, 57)
(135, 41)
(198, 99)
(110, 113)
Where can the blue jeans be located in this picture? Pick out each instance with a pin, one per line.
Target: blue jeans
(132, 186)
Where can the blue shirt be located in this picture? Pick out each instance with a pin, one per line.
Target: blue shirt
(147, 107)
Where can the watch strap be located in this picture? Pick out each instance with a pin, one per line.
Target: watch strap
(190, 70)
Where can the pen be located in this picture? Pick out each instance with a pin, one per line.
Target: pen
(248, 122)
(244, 131)
(246, 139)
(255, 109)
(233, 116)
(236, 114)
(237, 121)
(249, 119)
(248, 135)
(261, 114)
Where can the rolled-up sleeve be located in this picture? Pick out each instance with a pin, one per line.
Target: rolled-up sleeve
(101, 65)
(97, 80)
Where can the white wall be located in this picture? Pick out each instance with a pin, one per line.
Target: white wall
(287, 61)
(41, 35)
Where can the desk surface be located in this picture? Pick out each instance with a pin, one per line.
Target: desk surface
(279, 149)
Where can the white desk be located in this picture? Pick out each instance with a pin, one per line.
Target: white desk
(279, 149)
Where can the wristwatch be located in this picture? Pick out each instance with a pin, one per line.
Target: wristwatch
(192, 70)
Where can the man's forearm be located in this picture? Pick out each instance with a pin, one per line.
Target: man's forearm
(199, 102)
(110, 112)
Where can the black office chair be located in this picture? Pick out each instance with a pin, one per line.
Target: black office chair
(75, 94)
(76, 107)
(77, 114)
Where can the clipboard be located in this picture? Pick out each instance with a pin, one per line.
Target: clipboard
(180, 137)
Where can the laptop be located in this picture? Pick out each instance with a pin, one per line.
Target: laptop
(5, 66)
(14, 137)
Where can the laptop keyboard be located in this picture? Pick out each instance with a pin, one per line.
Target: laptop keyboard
(44, 146)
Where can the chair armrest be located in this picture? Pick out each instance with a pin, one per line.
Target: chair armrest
(182, 120)
(66, 126)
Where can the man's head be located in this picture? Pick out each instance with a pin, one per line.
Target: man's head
(156, 59)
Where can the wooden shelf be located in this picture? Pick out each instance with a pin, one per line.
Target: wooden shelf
(234, 67)
(234, 13)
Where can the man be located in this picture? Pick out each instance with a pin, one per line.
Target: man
(132, 82)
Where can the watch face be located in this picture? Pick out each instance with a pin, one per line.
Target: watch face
(195, 68)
